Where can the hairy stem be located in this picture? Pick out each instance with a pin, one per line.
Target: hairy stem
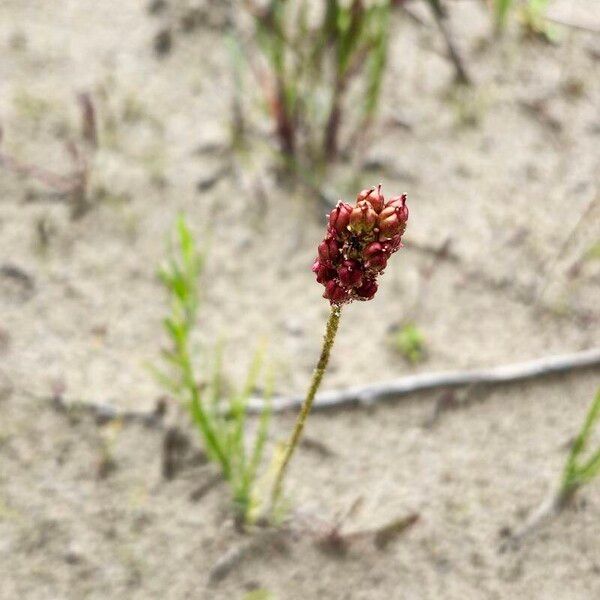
(330, 331)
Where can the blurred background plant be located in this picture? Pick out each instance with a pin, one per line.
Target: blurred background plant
(310, 61)
(259, 594)
(218, 413)
(409, 341)
(531, 15)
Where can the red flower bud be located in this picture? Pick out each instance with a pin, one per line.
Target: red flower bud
(392, 222)
(394, 244)
(376, 256)
(374, 197)
(350, 273)
(400, 203)
(323, 272)
(367, 290)
(329, 250)
(364, 194)
(339, 218)
(335, 293)
(363, 218)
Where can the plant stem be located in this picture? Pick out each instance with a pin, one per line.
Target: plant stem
(333, 122)
(329, 338)
(439, 14)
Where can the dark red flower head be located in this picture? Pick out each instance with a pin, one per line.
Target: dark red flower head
(359, 242)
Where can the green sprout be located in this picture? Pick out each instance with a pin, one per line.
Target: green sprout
(259, 594)
(579, 470)
(593, 252)
(501, 10)
(218, 414)
(410, 342)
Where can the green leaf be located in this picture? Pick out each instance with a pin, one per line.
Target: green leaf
(410, 342)
(588, 425)
(591, 468)
(501, 10)
(260, 594)
(576, 473)
(377, 56)
(593, 252)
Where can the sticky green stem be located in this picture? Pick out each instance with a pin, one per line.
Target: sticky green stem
(329, 338)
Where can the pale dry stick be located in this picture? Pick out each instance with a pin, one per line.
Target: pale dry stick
(369, 394)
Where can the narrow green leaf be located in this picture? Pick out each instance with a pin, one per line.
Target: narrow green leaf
(501, 10)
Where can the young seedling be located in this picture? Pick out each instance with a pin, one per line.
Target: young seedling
(218, 414)
(409, 341)
(578, 471)
(360, 240)
(259, 594)
(501, 9)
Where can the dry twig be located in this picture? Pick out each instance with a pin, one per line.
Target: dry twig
(369, 394)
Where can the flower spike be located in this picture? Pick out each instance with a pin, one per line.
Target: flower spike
(359, 242)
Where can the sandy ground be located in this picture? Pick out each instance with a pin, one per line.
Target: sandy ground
(504, 172)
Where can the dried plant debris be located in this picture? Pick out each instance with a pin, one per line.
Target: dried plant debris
(178, 453)
(15, 282)
(73, 186)
(337, 542)
(268, 541)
